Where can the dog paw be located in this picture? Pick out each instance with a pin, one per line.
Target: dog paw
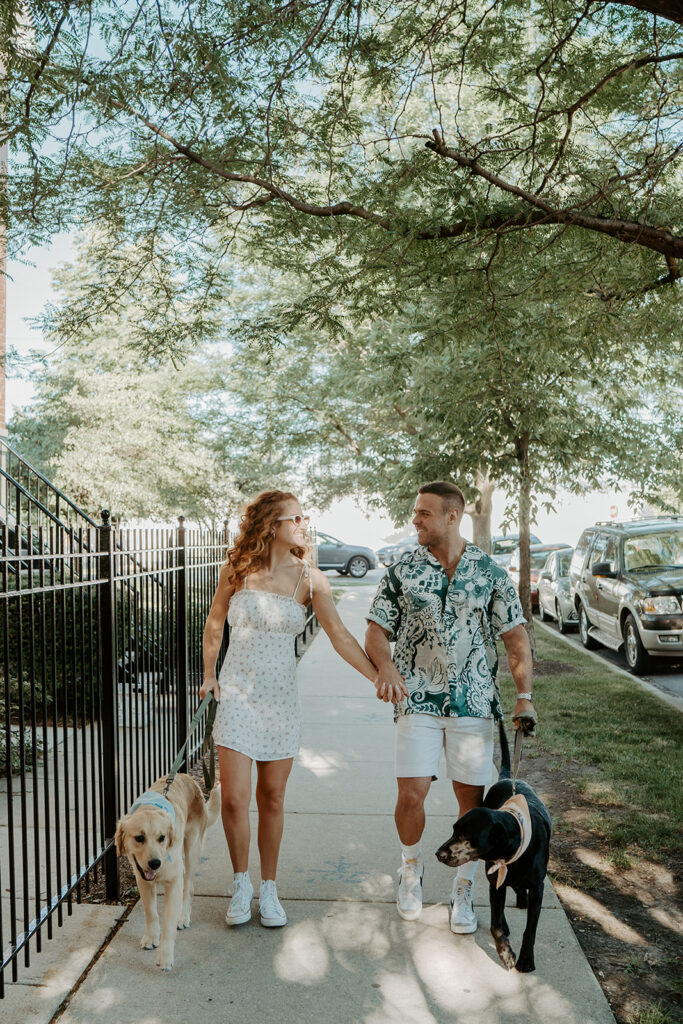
(525, 964)
(184, 922)
(149, 942)
(508, 958)
(165, 961)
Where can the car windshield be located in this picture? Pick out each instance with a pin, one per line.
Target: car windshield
(664, 548)
(504, 545)
(563, 561)
(538, 559)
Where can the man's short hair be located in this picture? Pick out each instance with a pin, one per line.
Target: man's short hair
(451, 495)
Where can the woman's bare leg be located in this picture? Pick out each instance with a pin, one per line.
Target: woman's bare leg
(235, 772)
(270, 799)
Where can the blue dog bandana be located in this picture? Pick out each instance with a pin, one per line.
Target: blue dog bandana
(153, 799)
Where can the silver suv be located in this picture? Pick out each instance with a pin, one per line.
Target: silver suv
(626, 583)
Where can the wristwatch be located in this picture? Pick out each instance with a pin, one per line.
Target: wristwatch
(525, 696)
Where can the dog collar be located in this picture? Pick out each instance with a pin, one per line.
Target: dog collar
(153, 799)
(519, 809)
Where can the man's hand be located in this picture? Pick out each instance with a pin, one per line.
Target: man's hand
(390, 684)
(523, 709)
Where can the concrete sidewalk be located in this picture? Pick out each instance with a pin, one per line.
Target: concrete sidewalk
(345, 955)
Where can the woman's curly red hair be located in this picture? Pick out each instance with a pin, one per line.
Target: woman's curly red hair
(252, 545)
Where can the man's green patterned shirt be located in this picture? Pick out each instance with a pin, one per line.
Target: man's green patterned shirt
(445, 633)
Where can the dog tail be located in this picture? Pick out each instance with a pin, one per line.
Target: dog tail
(505, 768)
(213, 805)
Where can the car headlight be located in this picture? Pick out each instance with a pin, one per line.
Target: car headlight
(660, 605)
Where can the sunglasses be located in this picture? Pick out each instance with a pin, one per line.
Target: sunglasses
(297, 519)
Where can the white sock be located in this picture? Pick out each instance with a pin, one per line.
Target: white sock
(413, 852)
(466, 871)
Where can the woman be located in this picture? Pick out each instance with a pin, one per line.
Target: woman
(264, 588)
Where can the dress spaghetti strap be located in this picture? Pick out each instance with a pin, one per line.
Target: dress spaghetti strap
(301, 576)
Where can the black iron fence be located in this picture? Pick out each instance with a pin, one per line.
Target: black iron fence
(100, 669)
(100, 664)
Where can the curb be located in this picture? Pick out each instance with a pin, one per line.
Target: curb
(668, 698)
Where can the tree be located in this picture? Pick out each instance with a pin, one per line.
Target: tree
(114, 430)
(550, 397)
(382, 136)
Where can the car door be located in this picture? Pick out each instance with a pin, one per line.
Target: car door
(609, 590)
(589, 584)
(545, 586)
(330, 552)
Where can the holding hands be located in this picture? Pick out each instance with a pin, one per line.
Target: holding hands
(390, 684)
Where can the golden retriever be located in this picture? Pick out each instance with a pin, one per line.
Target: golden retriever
(162, 837)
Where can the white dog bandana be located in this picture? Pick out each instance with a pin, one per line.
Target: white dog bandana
(519, 809)
(153, 799)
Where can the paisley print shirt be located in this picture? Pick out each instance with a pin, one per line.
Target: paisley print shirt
(445, 632)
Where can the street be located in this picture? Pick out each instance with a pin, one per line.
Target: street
(665, 675)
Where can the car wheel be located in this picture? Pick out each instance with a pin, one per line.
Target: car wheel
(357, 567)
(561, 624)
(636, 656)
(543, 613)
(584, 625)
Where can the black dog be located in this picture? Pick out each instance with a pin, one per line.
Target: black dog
(497, 836)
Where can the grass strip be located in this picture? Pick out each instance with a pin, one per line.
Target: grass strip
(599, 719)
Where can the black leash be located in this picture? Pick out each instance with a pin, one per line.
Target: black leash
(207, 744)
(527, 727)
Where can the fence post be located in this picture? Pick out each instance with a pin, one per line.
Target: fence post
(181, 639)
(110, 747)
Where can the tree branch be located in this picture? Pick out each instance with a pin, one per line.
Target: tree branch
(672, 10)
(658, 239)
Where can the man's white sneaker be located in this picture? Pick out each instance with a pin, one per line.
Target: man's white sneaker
(272, 914)
(239, 911)
(463, 918)
(409, 899)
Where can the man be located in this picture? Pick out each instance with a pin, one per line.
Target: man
(444, 605)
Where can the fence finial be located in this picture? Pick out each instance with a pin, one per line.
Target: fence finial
(105, 513)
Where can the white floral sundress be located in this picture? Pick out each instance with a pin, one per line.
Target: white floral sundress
(258, 712)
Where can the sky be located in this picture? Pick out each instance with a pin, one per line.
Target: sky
(28, 291)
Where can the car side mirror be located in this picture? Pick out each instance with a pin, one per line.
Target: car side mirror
(545, 576)
(603, 569)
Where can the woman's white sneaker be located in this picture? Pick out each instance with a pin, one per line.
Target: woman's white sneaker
(239, 911)
(409, 898)
(272, 914)
(463, 919)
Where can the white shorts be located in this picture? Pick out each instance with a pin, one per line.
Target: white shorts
(468, 743)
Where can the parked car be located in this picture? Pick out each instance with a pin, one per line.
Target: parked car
(347, 559)
(626, 581)
(392, 552)
(503, 546)
(538, 557)
(554, 592)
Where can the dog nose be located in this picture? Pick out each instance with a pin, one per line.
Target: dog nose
(154, 865)
(442, 855)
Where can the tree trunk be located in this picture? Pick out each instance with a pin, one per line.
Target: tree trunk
(480, 511)
(522, 449)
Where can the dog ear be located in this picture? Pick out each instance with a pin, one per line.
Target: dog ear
(119, 837)
(170, 832)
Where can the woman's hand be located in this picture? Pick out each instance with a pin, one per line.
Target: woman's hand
(390, 684)
(210, 685)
